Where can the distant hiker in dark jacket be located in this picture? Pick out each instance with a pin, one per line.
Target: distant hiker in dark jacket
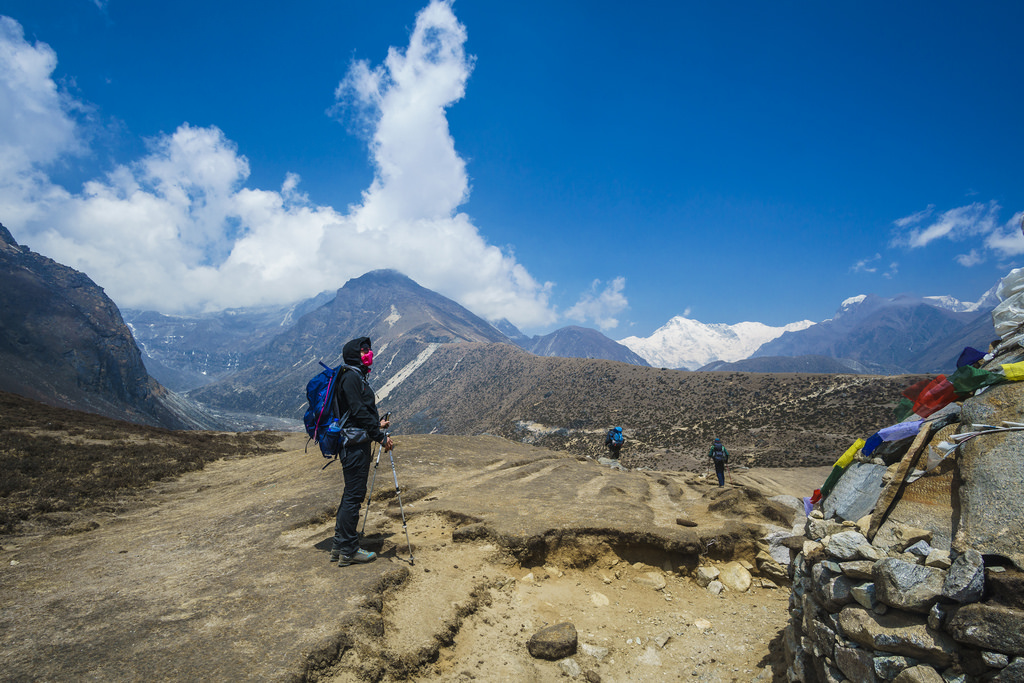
(355, 397)
(614, 440)
(720, 457)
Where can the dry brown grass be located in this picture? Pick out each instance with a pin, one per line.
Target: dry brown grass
(58, 462)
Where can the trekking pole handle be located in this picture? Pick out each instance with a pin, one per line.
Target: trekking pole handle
(387, 435)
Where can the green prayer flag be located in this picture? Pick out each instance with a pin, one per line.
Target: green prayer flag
(968, 379)
(904, 409)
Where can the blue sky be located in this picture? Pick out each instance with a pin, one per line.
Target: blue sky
(549, 162)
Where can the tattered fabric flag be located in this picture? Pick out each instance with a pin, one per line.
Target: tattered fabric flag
(841, 464)
(969, 356)
(847, 457)
(957, 439)
(968, 379)
(937, 395)
(893, 433)
(915, 389)
(1014, 372)
(904, 409)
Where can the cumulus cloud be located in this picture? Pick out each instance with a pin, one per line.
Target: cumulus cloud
(179, 230)
(600, 305)
(1008, 240)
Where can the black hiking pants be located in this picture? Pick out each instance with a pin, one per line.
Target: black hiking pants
(720, 471)
(355, 460)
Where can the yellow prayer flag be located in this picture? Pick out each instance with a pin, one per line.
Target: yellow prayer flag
(847, 457)
(1014, 371)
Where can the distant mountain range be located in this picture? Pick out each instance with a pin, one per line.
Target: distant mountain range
(899, 334)
(405, 321)
(867, 335)
(187, 352)
(579, 342)
(64, 342)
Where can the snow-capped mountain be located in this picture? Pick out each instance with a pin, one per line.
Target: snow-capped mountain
(900, 334)
(691, 344)
(988, 300)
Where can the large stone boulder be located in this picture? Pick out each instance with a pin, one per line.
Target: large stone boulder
(908, 586)
(991, 469)
(735, 577)
(965, 581)
(856, 492)
(989, 627)
(554, 642)
(899, 633)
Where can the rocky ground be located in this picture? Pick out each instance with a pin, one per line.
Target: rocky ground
(224, 574)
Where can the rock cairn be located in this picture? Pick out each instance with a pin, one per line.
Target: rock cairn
(910, 565)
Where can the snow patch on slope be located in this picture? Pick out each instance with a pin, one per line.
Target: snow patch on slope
(404, 373)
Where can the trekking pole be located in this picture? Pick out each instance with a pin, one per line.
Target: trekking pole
(398, 492)
(380, 447)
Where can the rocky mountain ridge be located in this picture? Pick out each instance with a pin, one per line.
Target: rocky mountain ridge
(63, 342)
(184, 352)
(902, 334)
(580, 342)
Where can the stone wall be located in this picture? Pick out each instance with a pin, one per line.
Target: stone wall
(911, 568)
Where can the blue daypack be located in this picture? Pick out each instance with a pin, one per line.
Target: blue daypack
(322, 424)
(319, 393)
(616, 437)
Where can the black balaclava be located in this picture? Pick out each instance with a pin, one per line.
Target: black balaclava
(350, 353)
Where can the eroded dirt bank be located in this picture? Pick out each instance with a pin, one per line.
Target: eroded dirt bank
(226, 575)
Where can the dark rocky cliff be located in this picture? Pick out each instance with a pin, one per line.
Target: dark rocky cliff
(63, 342)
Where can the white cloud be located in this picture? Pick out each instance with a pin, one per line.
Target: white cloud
(866, 265)
(36, 126)
(1008, 240)
(178, 230)
(956, 224)
(915, 218)
(978, 222)
(600, 306)
(971, 258)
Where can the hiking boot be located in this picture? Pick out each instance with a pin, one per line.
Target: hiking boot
(359, 557)
(335, 554)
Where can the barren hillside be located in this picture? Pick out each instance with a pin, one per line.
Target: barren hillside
(669, 416)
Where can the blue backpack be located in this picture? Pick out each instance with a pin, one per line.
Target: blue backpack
(322, 424)
(616, 437)
(319, 394)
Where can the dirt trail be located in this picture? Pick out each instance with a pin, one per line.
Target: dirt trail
(468, 610)
(225, 575)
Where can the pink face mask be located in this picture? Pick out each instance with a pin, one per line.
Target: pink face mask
(367, 357)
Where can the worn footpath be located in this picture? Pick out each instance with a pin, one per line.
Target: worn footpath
(225, 574)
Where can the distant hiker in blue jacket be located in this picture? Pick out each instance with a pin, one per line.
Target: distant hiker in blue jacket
(720, 457)
(614, 440)
(356, 398)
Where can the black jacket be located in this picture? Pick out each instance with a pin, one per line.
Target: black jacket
(354, 393)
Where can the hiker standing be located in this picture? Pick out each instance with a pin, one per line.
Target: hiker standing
(356, 398)
(614, 440)
(720, 457)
